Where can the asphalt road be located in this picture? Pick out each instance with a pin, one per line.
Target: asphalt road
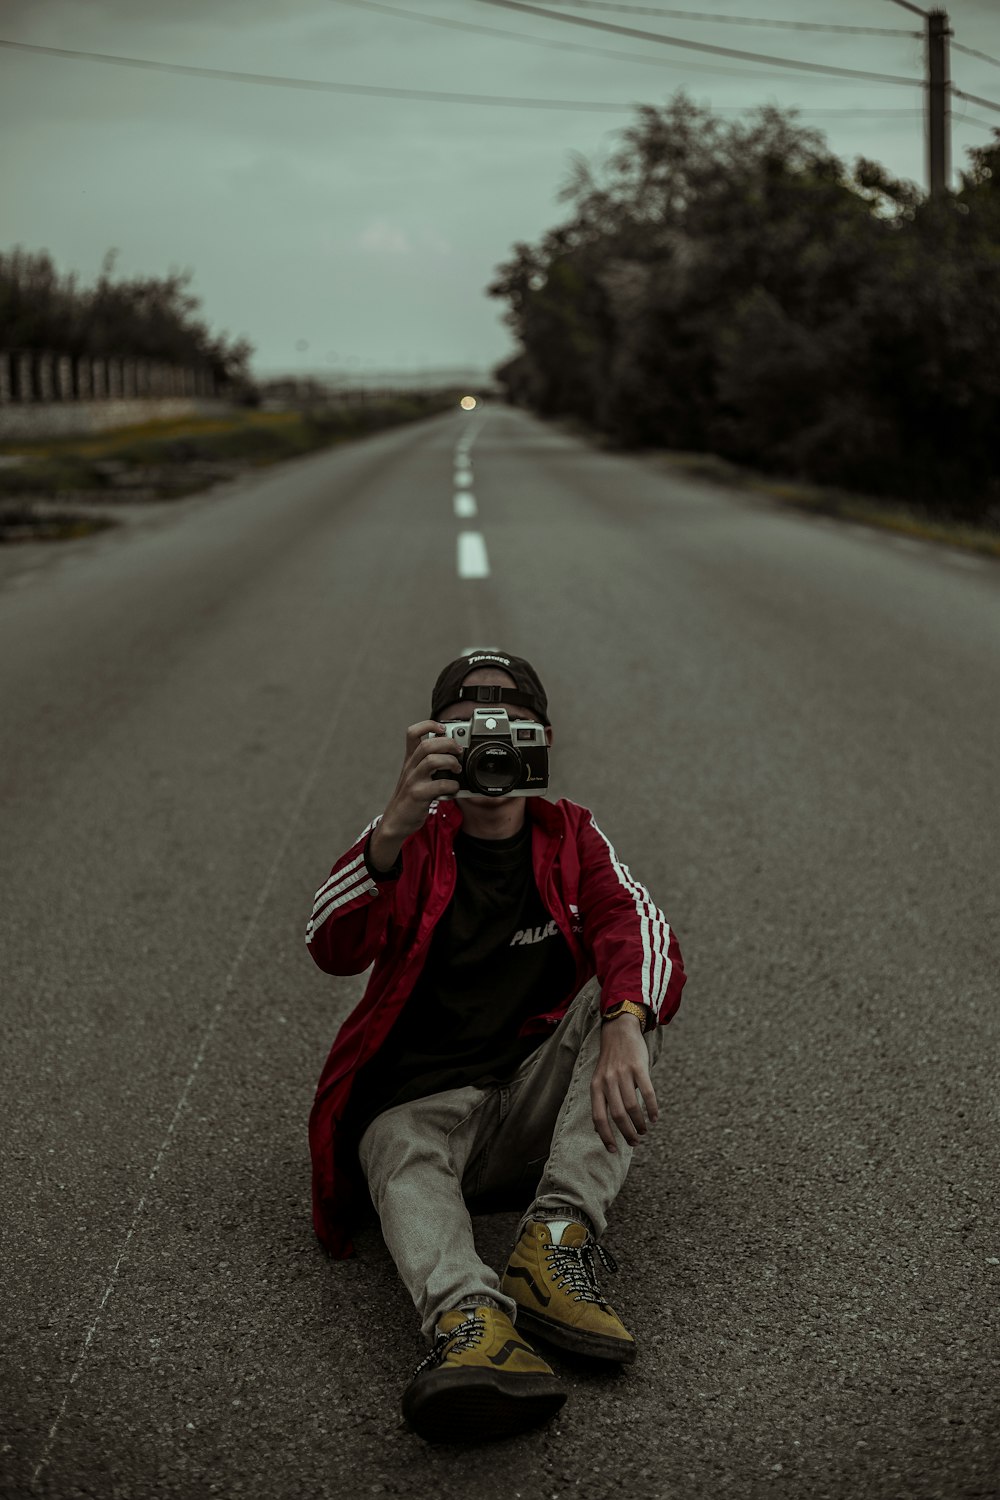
(788, 727)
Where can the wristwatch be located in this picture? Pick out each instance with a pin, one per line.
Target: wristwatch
(642, 1013)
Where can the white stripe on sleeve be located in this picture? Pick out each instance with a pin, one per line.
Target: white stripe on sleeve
(337, 880)
(363, 883)
(337, 874)
(653, 928)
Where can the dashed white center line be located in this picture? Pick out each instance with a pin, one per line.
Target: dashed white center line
(463, 479)
(465, 504)
(473, 561)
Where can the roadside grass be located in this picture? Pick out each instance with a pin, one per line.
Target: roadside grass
(905, 519)
(22, 523)
(847, 505)
(908, 520)
(162, 461)
(109, 443)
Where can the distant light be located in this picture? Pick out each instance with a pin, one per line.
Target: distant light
(468, 403)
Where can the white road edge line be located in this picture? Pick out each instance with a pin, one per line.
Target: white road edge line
(319, 760)
(472, 558)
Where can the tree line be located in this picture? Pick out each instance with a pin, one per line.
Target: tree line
(731, 287)
(140, 317)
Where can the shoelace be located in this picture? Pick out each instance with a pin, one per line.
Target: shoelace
(463, 1336)
(573, 1268)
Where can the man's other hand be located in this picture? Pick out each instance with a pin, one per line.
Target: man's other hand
(408, 806)
(622, 1071)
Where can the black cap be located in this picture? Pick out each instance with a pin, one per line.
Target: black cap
(527, 692)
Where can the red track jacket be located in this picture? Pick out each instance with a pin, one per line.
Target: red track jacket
(612, 925)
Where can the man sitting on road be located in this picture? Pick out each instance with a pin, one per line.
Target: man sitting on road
(503, 1046)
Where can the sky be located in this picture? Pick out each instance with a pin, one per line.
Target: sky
(351, 232)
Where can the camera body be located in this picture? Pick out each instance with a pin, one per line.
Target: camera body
(501, 757)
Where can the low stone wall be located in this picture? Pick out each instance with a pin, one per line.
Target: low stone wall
(43, 419)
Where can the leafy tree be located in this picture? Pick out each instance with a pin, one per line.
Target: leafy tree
(732, 287)
(143, 317)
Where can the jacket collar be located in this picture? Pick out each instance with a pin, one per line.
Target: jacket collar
(540, 810)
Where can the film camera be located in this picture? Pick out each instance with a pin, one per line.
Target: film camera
(501, 757)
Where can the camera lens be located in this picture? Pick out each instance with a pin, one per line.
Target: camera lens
(493, 769)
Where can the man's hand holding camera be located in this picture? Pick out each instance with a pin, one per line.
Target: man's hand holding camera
(416, 789)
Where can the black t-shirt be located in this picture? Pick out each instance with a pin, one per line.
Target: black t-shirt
(495, 959)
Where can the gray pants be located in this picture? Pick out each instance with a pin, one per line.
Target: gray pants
(422, 1160)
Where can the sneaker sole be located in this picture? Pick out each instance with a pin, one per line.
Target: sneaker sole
(576, 1340)
(479, 1406)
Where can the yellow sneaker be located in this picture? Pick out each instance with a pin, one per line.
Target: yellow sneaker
(480, 1381)
(554, 1283)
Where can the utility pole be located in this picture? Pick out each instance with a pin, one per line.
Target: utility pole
(938, 100)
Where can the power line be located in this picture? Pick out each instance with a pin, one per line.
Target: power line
(964, 119)
(845, 109)
(907, 6)
(957, 47)
(452, 24)
(317, 85)
(560, 46)
(697, 15)
(975, 99)
(805, 109)
(673, 41)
